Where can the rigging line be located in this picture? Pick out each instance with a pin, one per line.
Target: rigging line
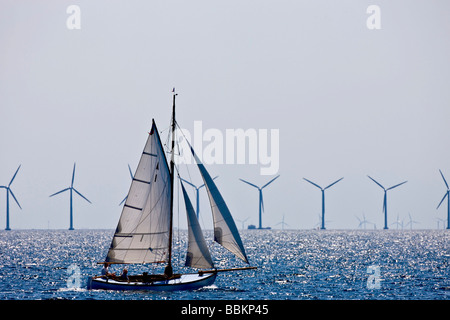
(189, 153)
(203, 225)
(178, 219)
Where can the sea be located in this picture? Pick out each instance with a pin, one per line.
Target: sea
(291, 265)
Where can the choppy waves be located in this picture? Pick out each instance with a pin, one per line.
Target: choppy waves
(295, 264)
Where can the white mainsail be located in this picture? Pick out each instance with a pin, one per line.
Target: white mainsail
(198, 255)
(225, 231)
(142, 234)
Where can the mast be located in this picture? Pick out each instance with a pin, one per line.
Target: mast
(168, 271)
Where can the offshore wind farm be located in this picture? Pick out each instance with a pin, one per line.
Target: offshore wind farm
(347, 100)
(406, 223)
(269, 92)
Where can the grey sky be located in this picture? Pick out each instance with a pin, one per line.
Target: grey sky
(348, 102)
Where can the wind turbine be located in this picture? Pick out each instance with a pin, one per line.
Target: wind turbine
(323, 197)
(197, 193)
(9, 191)
(384, 201)
(448, 201)
(363, 222)
(71, 189)
(132, 177)
(398, 222)
(410, 222)
(282, 223)
(261, 202)
(243, 221)
(443, 222)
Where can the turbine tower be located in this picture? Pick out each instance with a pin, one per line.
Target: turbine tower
(197, 189)
(385, 200)
(71, 189)
(448, 201)
(8, 192)
(320, 221)
(323, 197)
(261, 202)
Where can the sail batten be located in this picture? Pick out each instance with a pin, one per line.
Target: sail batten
(142, 234)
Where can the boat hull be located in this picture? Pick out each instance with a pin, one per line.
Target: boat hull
(184, 282)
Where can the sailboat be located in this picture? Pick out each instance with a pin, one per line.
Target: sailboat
(145, 229)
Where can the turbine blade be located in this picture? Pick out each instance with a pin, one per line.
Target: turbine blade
(59, 192)
(396, 185)
(446, 195)
(333, 183)
(249, 183)
(131, 173)
(14, 175)
(123, 201)
(188, 183)
(384, 201)
(270, 182)
(313, 183)
(444, 179)
(376, 182)
(10, 191)
(73, 174)
(81, 195)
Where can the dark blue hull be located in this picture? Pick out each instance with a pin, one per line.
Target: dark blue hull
(184, 282)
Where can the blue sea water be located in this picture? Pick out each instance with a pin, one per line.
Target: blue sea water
(292, 265)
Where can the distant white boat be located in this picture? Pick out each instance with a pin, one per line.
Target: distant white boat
(144, 232)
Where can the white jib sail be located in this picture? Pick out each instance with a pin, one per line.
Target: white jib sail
(225, 231)
(198, 255)
(142, 234)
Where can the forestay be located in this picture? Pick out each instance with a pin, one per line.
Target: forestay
(142, 234)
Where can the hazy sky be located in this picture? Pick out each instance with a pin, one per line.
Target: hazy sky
(348, 102)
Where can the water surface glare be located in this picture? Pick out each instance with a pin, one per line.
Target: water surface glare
(292, 264)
